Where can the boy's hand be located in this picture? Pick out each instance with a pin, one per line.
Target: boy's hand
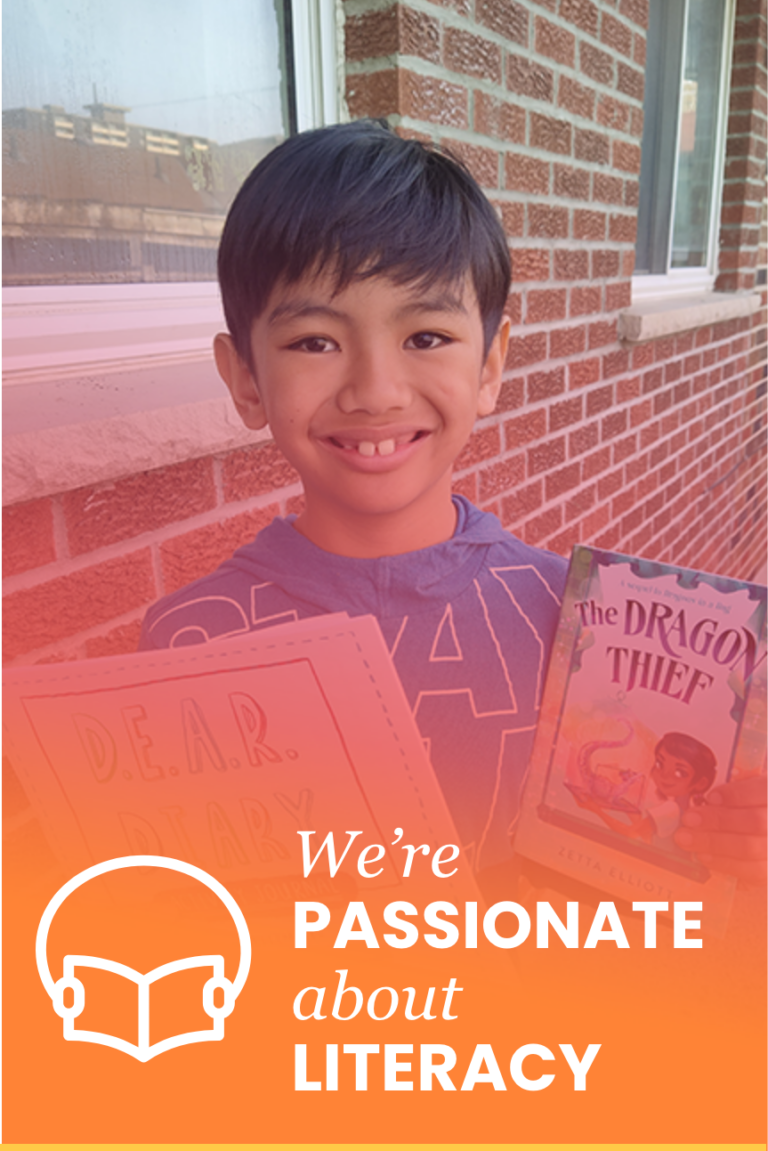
(728, 831)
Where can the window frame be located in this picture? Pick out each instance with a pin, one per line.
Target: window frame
(683, 282)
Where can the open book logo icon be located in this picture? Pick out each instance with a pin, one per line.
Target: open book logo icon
(70, 985)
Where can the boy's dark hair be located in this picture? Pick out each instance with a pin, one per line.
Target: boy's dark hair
(695, 753)
(357, 200)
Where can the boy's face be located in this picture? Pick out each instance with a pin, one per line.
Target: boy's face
(371, 393)
(673, 776)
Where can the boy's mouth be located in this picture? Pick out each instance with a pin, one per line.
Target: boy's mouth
(369, 447)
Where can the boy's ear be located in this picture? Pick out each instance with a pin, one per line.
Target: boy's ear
(490, 377)
(240, 380)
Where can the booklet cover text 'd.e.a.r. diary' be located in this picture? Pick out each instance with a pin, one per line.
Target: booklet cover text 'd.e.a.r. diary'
(656, 693)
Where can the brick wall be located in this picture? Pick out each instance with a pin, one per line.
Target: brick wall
(655, 448)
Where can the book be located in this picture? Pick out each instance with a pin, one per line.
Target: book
(655, 694)
(218, 754)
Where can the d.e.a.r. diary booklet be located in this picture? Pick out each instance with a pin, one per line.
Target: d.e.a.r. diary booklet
(656, 693)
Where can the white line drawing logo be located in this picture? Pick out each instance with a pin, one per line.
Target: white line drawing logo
(143, 1050)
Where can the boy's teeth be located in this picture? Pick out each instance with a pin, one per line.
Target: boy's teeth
(366, 448)
(386, 447)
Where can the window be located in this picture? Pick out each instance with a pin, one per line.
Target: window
(127, 129)
(686, 84)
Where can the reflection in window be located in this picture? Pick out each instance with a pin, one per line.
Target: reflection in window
(127, 130)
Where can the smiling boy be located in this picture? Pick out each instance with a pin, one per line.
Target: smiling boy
(364, 279)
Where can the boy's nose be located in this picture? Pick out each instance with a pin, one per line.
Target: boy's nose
(375, 383)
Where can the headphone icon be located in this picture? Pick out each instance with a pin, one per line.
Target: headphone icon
(143, 1050)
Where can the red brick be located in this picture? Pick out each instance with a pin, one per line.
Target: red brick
(27, 536)
(466, 486)
(614, 363)
(197, 553)
(541, 526)
(526, 174)
(604, 264)
(582, 13)
(583, 440)
(545, 306)
(119, 641)
(564, 541)
(545, 385)
(580, 503)
(642, 355)
(607, 189)
(563, 480)
(614, 424)
(554, 42)
(622, 449)
(610, 484)
(631, 82)
(522, 502)
(608, 539)
(622, 229)
(596, 463)
(525, 350)
(67, 605)
(506, 17)
(631, 197)
(530, 79)
(514, 307)
(473, 55)
(512, 394)
(602, 333)
(483, 163)
(373, 93)
(612, 113)
(572, 183)
(544, 220)
(596, 64)
(545, 456)
(591, 146)
(618, 296)
(372, 34)
(593, 523)
(566, 342)
(525, 428)
(483, 444)
(512, 217)
(571, 265)
(576, 98)
(97, 516)
(599, 400)
(636, 11)
(499, 118)
(255, 471)
(583, 372)
(437, 101)
(419, 35)
(626, 157)
(588, 225)
(565, 413)
(499, 478)
(549, 134)
(615, 34)
(585, 301)
(628, 389)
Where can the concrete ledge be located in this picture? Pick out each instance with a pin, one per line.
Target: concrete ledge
(51, 460)
(653, 319)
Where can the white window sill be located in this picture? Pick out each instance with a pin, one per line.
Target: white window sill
(652, 319)
(106, 381)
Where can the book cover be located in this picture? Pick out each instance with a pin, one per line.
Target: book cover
(656, 693)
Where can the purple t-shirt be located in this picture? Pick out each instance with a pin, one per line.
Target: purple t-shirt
(469, 623)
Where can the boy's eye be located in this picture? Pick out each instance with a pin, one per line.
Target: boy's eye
(423, 341)
(314, 344)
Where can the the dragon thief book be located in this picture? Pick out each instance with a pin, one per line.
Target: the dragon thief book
(656, 693)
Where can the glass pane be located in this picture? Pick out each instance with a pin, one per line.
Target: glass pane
(127, 129)
(697, 138)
